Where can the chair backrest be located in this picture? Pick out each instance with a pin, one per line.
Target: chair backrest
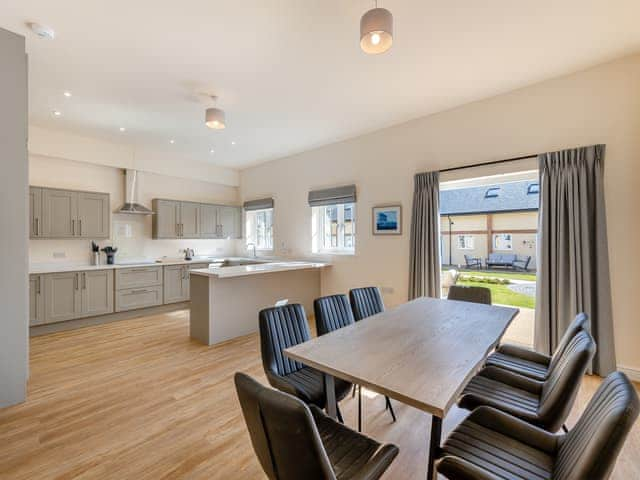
(560, 388)
(590, 449)
(332, 312)
(280, 328)
(580, 322)
(283, 433)
(470, 294)
(365, 302)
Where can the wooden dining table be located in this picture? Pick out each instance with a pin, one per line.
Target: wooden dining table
(421, 353)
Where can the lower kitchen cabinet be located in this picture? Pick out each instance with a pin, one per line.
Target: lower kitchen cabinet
(176, 283)
(97, 292)
(63, 299)
(36, 300)
(134, 298)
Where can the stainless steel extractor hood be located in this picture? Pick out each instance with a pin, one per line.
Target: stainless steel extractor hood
(131, 205)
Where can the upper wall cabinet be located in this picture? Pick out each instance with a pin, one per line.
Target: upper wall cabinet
(176, 219)
(56, 213)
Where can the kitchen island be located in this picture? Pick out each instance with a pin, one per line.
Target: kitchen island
(225, 301)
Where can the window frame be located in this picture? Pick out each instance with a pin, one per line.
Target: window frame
(319, 224)
(252, 237)
(495, 247)
(461, 236)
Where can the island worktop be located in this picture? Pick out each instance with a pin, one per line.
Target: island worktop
(225, 301)
(261, 268)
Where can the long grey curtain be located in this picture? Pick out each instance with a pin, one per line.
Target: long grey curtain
(424, 257)
(573, 259)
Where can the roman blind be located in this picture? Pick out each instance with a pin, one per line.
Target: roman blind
(332, 196)
(260, 204)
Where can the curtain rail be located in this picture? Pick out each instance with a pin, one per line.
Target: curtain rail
(495, 162)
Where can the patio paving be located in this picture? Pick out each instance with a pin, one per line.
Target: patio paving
(521, 329)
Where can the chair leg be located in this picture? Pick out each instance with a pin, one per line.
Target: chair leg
(390, 407)
(339, 414)
(564, 428)
(359, 408)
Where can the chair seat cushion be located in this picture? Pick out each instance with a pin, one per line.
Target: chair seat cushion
(486, 391)
(498, 454)
(349, 451)
(309, 385)
(524, 367)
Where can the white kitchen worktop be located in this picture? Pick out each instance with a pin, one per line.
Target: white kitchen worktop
(244, 270)
(38, 268)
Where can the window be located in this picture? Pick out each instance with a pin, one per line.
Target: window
(465, 242)
(502, 241)
(492, 192)
(334, 228)
(533, 189)
(259, 228)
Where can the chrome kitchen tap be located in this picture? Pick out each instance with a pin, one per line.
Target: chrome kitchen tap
(253, 245)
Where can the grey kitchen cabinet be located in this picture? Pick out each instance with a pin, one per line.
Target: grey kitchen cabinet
(176, 283)
(209, 226)
(136, 277)
(36, 300)
(97, 292)
(93, 215)
(176, 219)
(166, 221)
(228, 219)
(134, 298)
(63, 298)
(189, 220)
(57, 213)
(35, 212)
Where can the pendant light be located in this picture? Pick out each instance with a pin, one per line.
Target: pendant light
(214, 117)
(376, 30)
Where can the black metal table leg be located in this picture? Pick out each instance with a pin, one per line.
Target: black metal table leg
(359, 408)
(330, 392)
(434, 446)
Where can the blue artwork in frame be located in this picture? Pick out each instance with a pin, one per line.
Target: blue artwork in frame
(387, 220)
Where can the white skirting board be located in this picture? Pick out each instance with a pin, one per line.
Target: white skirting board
(632, 373)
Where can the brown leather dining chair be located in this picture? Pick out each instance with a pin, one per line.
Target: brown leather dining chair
(465, 293)
(531, 363)
(543, 403)
(490, 444)
(294, 441)
(283, 327)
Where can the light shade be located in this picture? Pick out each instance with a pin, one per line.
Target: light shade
(376, 31)
(214, 118)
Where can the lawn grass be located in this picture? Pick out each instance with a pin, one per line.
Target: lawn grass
(505, 274)
(503, 295)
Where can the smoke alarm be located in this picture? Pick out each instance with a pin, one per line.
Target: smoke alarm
(42, 31)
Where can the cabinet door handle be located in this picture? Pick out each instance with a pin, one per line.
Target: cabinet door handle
(39, 290)
(73, 227)
(84, 280)
(75, 281)
(177, 229)
(80, 226)
(139, 291)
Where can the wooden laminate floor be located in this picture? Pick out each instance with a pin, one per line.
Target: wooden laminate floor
(138, 399)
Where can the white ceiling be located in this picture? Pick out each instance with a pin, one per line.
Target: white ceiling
(290, 73)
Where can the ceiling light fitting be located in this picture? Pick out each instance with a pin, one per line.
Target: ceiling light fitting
(376, 30)
(215, 117)
(42, 31)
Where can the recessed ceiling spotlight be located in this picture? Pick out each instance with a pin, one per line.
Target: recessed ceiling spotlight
(57, 113)
(42, 31)
(212, 151)
(233, 142)
(172, 141)
(67, 94)
(122, 129)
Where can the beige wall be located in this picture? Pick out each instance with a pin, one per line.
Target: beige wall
(130, 233)
(600, 105)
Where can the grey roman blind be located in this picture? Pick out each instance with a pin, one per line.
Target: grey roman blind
(259, 204)
(332, 196)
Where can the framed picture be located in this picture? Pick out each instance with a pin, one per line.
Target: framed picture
(387, 220)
